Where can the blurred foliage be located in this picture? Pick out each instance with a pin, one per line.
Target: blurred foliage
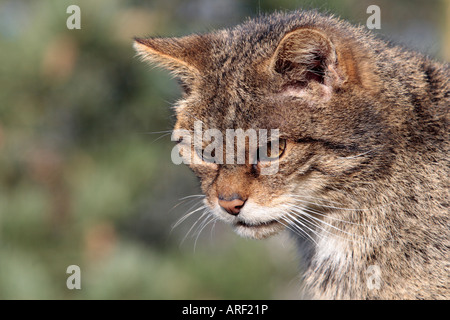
(85, 170)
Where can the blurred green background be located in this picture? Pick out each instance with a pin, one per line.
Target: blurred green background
(85, 172)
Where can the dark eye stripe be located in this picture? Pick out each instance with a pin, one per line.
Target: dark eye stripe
(330, 144)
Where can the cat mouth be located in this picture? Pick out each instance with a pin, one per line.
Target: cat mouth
(245, 224)
(257, 230)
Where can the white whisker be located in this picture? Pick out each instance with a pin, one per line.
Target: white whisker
(291, 226)
(325, 215)
(317, 222)
(193, 196)
(296, 221)
(187, 215)
(161, 136)
(358, 155)
(157, 132)
(212, 228)
(205, 213)
(207, 220)
(185, 201)
(324, 228)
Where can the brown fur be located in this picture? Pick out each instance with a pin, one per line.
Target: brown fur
(367, 130)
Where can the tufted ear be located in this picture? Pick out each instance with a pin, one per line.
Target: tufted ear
(306, 57)
(184, 56)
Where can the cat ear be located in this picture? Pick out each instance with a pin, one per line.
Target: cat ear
(306, 56)
(184, 56)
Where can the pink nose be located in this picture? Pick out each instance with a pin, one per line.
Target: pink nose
(232, 207)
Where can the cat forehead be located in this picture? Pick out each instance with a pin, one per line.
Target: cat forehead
(222, 115)
(234, 90)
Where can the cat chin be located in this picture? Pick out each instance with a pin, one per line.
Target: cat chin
(258, 232)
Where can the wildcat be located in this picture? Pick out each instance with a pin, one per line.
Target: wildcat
(363, 167)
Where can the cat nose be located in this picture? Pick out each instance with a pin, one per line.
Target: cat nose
(232, 206)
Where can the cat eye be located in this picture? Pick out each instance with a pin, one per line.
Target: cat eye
(266, 154)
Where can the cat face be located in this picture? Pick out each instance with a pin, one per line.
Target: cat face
(310, 84)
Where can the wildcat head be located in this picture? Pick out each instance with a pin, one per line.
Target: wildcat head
(300, 74)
